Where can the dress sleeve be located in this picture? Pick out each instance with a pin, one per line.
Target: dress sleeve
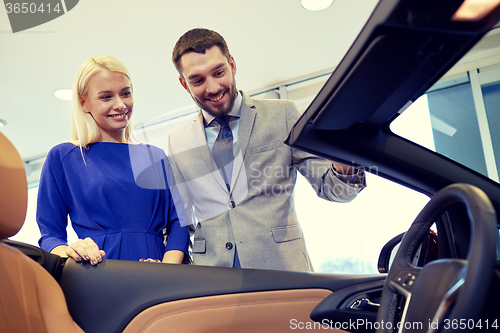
(52, 212)
(320, 173)
(177, 225)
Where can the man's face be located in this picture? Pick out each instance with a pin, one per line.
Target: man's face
(209, 79)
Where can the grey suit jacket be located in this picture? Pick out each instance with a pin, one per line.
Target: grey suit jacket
(257, 216)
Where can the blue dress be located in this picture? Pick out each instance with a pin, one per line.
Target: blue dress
(117, 194)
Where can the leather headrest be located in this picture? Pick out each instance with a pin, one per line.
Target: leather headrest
(13, 189)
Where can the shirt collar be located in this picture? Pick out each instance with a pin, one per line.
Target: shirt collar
(235, 111)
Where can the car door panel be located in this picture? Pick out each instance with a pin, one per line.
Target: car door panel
(106, 297)
(267, 311)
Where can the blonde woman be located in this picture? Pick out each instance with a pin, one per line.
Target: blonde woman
(114, 189)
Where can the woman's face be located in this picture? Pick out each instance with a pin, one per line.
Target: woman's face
(109, 100)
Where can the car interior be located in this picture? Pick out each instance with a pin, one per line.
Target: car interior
(442, 275)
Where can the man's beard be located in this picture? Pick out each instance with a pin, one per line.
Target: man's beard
(217, 112)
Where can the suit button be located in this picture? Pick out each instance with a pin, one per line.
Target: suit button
(229, 245)
(232, 204)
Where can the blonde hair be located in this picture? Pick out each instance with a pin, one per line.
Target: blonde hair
(84, 129)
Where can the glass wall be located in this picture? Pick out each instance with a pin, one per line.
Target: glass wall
(464, 119)
(490, 87)
(455, 126)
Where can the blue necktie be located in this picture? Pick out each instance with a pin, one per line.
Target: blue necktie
(222, 151)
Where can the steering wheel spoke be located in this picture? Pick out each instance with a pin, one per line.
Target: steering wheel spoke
(446, 306)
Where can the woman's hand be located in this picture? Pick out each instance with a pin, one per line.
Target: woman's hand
(83, 249)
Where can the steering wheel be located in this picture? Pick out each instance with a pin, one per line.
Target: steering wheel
(445, 293)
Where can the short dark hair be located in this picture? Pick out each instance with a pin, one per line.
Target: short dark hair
(198, 40)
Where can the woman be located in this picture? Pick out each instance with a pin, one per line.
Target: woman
(113, 189)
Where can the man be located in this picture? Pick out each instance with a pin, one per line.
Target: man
(235, 174)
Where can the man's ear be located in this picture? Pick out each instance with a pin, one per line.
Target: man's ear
(184, 83)
(232, 63)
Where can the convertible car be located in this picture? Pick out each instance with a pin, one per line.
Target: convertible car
(442, 275)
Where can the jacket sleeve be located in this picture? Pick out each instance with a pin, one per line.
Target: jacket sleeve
(181, 193)
(320, 172)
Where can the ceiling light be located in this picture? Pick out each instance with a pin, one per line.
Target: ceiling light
(64, 94)
(474, 10)
(315, 5)
(2, 123)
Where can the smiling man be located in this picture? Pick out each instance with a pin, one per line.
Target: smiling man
(234, 172)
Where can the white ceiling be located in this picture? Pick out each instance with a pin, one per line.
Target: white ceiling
(272, 41)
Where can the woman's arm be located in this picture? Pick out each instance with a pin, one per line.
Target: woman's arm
(173, 257)
(170, 257)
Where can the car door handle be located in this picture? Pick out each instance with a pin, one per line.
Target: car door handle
(364, 304)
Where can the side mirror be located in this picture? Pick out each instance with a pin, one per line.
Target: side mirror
(427, 252)
(387, 253)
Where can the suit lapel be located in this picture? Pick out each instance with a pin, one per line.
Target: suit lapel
(247, 120)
